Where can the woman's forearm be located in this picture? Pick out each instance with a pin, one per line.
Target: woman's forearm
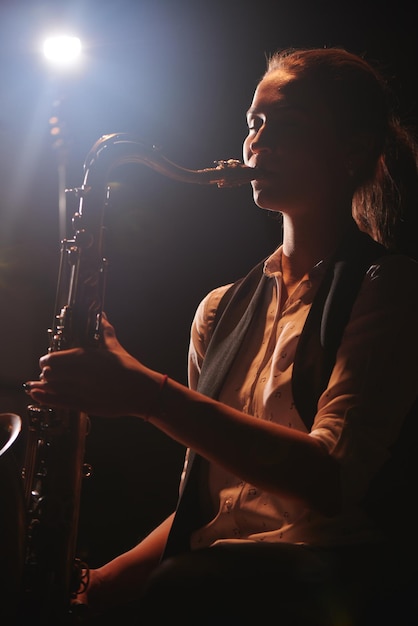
(263, 453)
(120, 581)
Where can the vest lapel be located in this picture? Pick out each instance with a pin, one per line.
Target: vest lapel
(222, 350)
(230, 332)
(326, 321)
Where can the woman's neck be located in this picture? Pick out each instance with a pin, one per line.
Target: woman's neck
(305, 246)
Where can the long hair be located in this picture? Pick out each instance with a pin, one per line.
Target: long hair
(359, 100)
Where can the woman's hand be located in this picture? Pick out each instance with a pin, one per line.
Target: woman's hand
(104, 381)
(89, 592)
(119, 582)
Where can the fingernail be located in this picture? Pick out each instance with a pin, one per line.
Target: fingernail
(27, 387)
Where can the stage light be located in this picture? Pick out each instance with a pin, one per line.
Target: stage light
(63, 53)
(63, 50)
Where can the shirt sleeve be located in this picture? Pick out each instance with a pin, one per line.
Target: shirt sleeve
(201, 332)
(375, 379)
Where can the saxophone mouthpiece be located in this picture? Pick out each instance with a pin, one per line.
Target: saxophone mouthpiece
(233, 173)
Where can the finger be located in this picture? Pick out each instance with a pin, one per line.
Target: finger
(57, 396)
(109, 334)
(45, 374)
(61, 361)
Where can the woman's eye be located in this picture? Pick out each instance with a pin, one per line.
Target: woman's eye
(253, 126)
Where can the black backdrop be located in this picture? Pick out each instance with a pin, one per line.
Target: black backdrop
(179, 74)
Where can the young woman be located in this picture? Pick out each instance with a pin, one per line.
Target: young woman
(300, 393)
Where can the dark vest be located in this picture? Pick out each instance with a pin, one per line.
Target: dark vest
(315, 354)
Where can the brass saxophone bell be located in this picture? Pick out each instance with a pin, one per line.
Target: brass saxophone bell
(10, 426)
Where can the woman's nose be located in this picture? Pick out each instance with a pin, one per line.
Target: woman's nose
(259, 142)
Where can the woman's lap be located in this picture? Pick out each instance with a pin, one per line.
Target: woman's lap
(245, 583)
(284, 584)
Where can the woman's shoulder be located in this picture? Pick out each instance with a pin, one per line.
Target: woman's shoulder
(202, 329)
(208, 306)
(395, 267)
(391, 284)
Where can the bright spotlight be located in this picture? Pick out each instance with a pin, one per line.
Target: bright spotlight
(62, 50)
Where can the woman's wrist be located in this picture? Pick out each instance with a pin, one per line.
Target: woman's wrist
(95, 596)
(157, 405)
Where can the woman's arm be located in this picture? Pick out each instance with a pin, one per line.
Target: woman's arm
(120, 581)
(110, 382)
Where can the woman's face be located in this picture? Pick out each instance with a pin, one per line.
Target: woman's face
(292, 139)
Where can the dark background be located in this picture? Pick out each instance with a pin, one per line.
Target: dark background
(180, 74)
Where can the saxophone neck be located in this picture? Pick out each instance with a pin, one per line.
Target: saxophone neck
(120, 148)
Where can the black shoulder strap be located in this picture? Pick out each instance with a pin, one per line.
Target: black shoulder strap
(231, 326)
(326, 321)
(233, 317)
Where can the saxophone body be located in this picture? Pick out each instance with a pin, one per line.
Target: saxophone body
(54, 466)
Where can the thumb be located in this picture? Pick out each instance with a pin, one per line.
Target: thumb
(109, 334)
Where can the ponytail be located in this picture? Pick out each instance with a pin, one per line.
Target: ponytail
(386, 206)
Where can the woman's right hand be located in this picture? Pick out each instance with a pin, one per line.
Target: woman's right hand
(104, 381)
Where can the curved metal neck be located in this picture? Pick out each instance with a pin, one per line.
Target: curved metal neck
(120, 148)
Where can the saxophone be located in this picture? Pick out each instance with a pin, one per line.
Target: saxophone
(54, 465)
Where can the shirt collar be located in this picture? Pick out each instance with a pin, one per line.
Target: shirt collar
(273, 266)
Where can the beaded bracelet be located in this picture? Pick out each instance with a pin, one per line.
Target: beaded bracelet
(163, 383)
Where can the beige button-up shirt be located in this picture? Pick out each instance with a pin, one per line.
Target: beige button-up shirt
(373, 384)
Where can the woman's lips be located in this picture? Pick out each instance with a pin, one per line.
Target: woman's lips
(262, 174)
